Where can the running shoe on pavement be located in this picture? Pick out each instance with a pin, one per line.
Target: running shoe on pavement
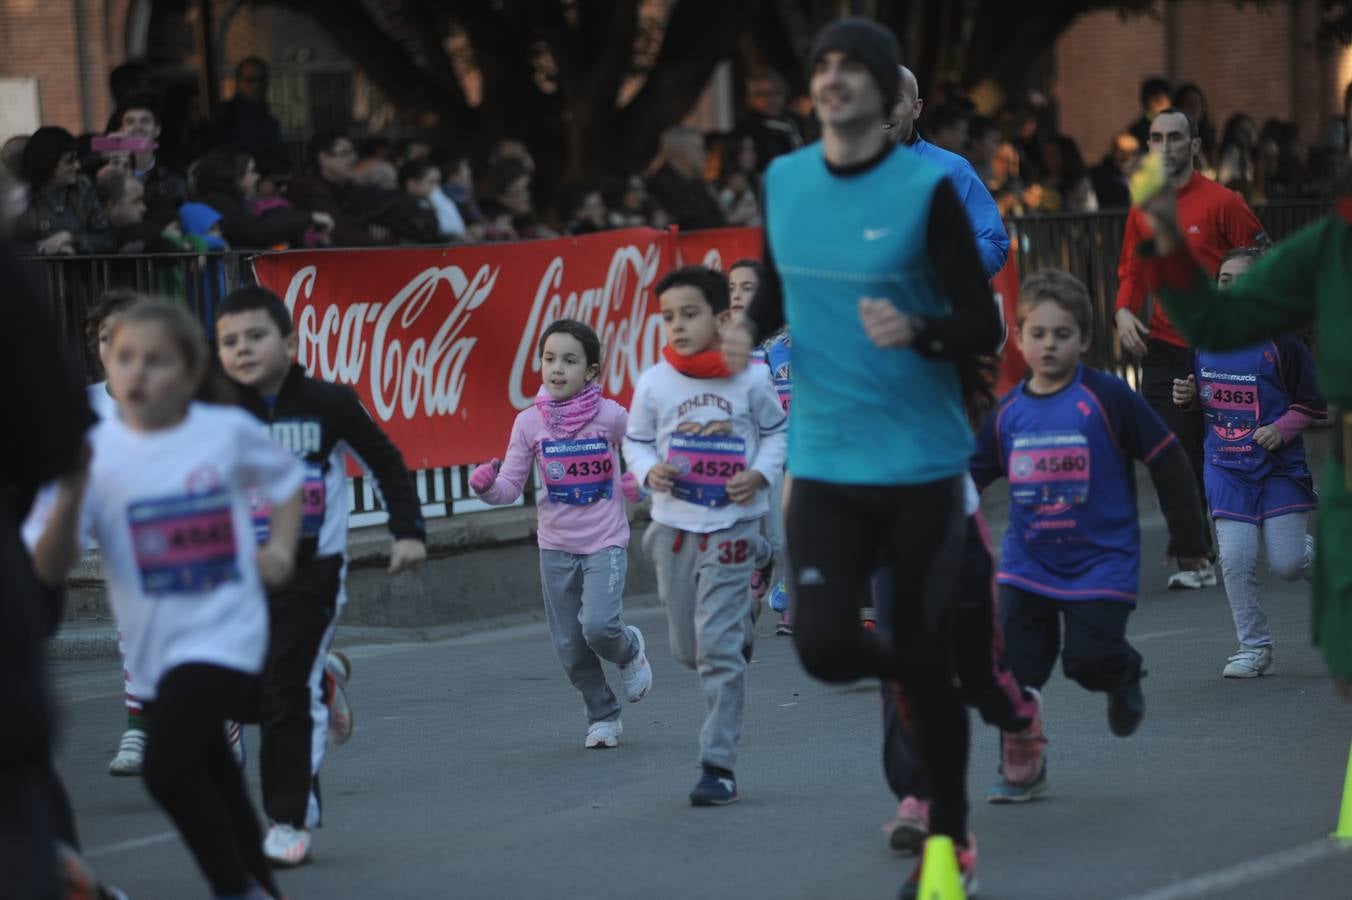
(907, 831)
(1005, 792)
(716, 787)
(604, 735)
(1126, 709)
(130, 753)
(785, 624)
(337, 670)
(636, 675)
(1249, 662)
(1186, 580)
(1022, 753)
(286, 846)
(966, 872)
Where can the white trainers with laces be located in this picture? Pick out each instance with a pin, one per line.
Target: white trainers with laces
(636, 675)
(286, 846)
(1249, 662)
(604, 735)
(130, 753)
(1188, 580)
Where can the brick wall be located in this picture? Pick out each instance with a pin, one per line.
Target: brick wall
(37, 40)
(1244, 59)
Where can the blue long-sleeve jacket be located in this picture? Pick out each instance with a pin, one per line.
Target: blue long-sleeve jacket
(992, 242)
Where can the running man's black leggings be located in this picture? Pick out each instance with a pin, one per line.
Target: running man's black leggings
(191, 773)
(836, 534)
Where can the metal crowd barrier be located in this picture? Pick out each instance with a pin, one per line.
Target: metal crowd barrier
(1088, 245)
(1085, 244)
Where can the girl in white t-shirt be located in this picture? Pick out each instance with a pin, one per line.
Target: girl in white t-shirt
(166, 496)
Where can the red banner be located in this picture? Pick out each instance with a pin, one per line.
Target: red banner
(441, 344)
(1006, 287)
(719, 248)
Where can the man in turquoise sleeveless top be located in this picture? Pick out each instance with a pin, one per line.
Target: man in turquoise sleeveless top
(870, 260)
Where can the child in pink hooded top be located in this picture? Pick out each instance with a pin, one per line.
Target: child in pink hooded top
(572, 433)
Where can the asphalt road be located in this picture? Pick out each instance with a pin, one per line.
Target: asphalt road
(467, 778)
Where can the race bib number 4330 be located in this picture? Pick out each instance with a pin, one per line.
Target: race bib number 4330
(184, 544)
(578, 472)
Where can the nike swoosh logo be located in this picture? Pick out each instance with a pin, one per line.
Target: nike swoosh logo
(873, 234)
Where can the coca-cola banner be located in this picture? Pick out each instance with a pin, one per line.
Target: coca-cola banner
(441, 343)
(719, 248)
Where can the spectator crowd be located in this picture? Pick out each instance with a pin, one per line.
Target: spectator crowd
(121, 193)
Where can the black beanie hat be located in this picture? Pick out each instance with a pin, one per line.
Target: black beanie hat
(870, 43)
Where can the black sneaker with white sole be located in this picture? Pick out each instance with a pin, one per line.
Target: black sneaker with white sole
(716, 787)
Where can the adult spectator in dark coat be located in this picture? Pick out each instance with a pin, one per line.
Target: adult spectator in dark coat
(244, 120)
(766, 120)
(1112, 177)
(1154, 100)
(224, 179)
(63, 215)
(679, 185)
(165, 189)
(328, 188)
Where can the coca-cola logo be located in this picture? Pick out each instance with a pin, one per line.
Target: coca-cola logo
(617, 311)
(363, 340)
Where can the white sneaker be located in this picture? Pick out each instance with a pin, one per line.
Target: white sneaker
(604, 735)
(286, 846)
(636, 675)
(130, 753)
(1193, 580)
(1249, 662)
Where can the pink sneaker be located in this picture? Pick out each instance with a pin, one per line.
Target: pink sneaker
(906, 832)
(1021, 753)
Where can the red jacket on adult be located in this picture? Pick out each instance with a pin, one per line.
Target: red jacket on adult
(1214, 219)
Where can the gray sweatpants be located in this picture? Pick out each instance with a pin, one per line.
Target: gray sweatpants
(1288, 559)
(705, 582)
(583, 603)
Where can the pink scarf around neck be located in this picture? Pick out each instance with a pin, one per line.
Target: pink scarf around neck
(565, 418)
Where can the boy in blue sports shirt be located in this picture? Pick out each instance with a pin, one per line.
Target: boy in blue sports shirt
(1065, 439)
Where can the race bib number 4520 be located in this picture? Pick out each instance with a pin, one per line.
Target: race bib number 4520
(1049, 469)
(704, 464)
(184, 544)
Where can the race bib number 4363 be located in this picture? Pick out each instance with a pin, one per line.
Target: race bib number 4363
(704, 464)
(184, 544)
(1049, 469)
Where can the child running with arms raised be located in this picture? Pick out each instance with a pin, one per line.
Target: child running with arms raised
(707, 443)
(167, 498)
(1257, 400)
(572, 433)
(1066, 439)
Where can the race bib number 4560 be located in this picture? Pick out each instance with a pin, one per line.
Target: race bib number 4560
(1050, 469)
(184, 544)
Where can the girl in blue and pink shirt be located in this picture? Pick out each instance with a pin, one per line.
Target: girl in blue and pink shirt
(571, 432)
(1257, 400)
